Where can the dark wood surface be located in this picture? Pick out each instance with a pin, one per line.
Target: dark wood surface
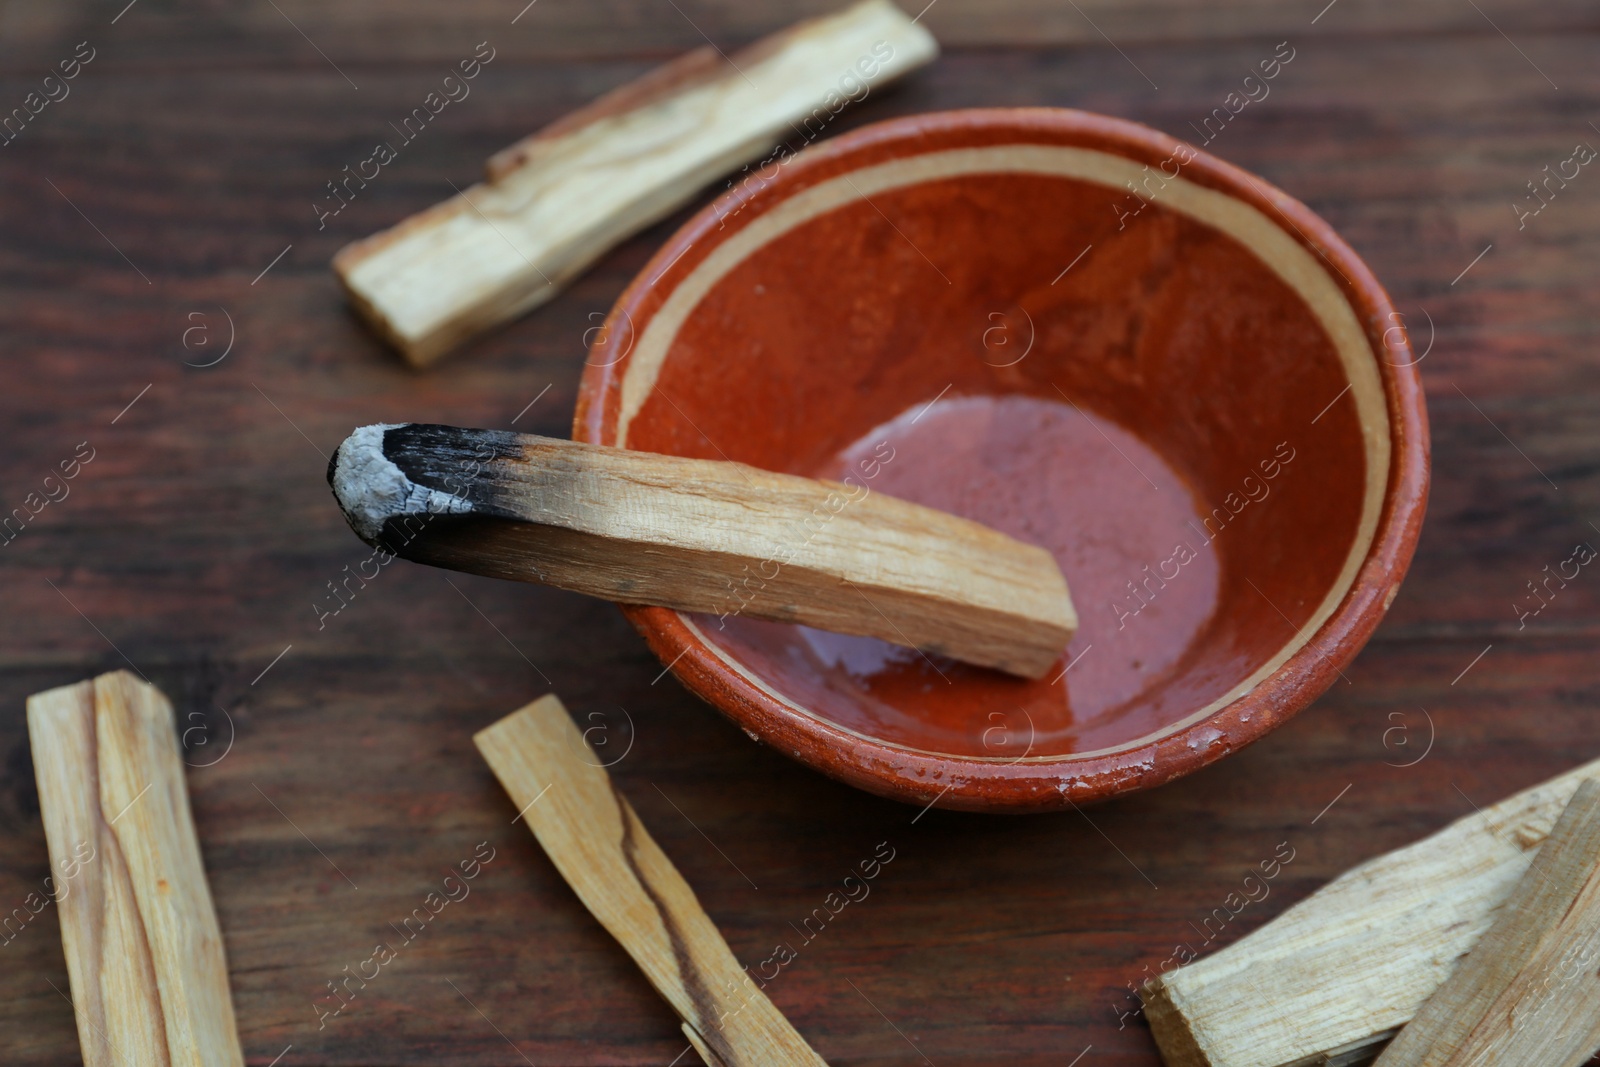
(196, 542)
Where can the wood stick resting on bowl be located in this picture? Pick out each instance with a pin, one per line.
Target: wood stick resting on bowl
(144, 953)
(592, 835)
(706, 536)
(555, 202)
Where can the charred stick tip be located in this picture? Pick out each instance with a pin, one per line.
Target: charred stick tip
(371, 488)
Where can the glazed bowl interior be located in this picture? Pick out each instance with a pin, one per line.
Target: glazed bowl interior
(1181, 387)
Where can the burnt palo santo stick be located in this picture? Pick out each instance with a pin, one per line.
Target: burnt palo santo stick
(706, 536)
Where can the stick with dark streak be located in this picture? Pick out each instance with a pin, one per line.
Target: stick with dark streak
(706, 536)
(595, 840)
(555, 202)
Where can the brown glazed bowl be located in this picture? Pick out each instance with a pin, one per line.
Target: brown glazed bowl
(1085, 334)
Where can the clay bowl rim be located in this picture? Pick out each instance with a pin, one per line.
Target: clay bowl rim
(922, 777)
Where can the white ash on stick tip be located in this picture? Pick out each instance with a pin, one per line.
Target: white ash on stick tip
(371, 489)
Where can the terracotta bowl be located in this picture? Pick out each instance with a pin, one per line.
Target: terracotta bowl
(1078, 331)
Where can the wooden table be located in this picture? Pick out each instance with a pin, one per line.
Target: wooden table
(165, 206)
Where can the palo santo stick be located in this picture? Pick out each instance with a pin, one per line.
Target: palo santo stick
(592, 835)
(555, 202)
(1332, 978)
(704, 535)
(144, 954)
(1527, 995)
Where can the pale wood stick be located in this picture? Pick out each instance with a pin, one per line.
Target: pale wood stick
(1332, 978)
(555, 202)
(1527, 995)
(705, 535)
(144, 953)
(595, 840)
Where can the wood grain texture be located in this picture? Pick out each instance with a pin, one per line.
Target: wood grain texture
(1525, 996)
(149, 976)
(590, 832)
(416, 33)
(706, 536)
(201, 536)
(556, 201)
(1354, 962)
